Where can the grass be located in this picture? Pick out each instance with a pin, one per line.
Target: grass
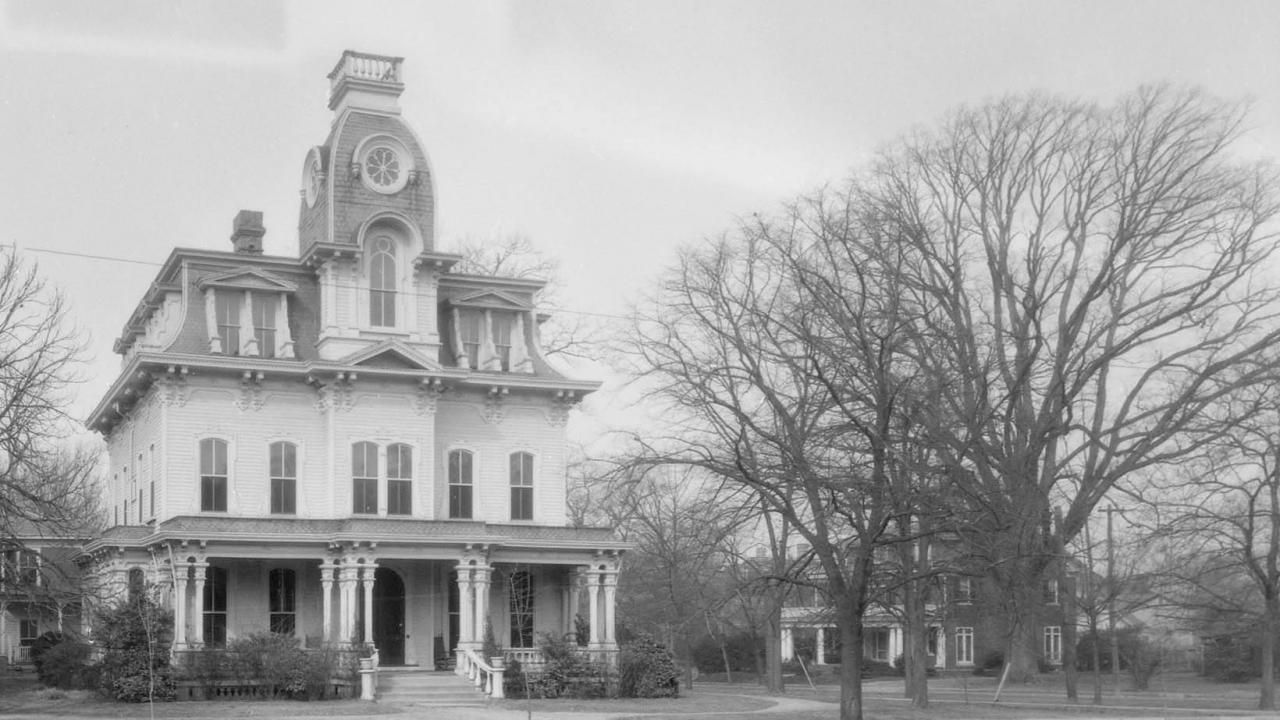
(698, 701)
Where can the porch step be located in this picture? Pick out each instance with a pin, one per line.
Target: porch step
(427, 687)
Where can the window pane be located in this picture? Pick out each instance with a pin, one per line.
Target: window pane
(399, 497)
(460, 502)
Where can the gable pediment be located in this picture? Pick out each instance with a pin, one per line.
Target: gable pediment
(491, 300)
(392, 355)
(248, 279)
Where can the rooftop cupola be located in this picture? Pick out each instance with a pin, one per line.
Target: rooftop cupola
(366, 82)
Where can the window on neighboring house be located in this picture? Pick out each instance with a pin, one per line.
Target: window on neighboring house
(227, 305)
(284, 478)
(1053, 644)
(521, 486)
(264, 324)
(215, 607)
(931, 641)
(29, 567)
(878, 644)
(469, 331)
(283, 600)
(501, 330)
(964, 646)
(399, 479)
(28, 631)
(213, 475)
(364, 478)
(382, 284)
(521, 609)
(964, 590)
(460, 485)
(1051, 592)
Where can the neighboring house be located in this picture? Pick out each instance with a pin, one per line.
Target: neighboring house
(39, 588)
(352, 445)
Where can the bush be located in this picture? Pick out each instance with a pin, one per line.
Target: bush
(647, 670)
(276, 664)
(743, 651)
(135, 662)
(566, 672)
(65, 665)
(991, 663)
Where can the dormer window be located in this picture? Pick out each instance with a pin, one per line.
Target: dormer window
(264, 324)
(470, 322)
(382, 283)
(501, 328)
(228, 305)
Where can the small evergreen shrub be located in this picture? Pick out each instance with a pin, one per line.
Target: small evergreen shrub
(65, 665)
(647, 670)
(135, 660)
(566, 672)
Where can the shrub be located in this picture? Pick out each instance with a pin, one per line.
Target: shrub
(742, 649)
(566, 672)
(991, 663)
(276, 664)
(65, 665)
(647, 669)
(135, 660)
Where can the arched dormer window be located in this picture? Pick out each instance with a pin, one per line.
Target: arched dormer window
(382, 283)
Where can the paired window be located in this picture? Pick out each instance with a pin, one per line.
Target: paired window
(227, 306)
(1053, 644)
(284, 478)
(964, 646)
(382, 283)
(522, 609)
(21, 567)
(460, 484)
(521, 486)
(215, 607)
(213, 475)
(264, 324)
(283, 600)
(364, 479)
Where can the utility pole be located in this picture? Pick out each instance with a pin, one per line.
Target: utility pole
(1111, 602)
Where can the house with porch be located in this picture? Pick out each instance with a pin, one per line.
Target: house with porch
(39, 588)
(356, 445)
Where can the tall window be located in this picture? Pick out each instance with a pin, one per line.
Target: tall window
(521, 486)
(215, 607)
(521, 609)
(964, 590)
(1051, 592)
(213, 475)
(878, 643)
(28, 631)
(502, 339)
(399, 479)
(282, 584)
(29, 567)
(227, 305)
(284, 478)
(460, 484)
(1053, 644)
(964, 646)
(470, 321)
(382, 284)
(264, 324)
(364, 478)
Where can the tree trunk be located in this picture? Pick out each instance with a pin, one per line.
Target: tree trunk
(773, 682)
(850, 666)
(1021, 657)
(915, 654)
(1097, 660)
(1267, 695)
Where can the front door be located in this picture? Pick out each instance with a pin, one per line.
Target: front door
(388, 616)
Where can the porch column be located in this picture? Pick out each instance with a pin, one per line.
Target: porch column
(788, 645)
(347, 576)
(482, 577)
(593, 597)
(572, 601)
(367, 583)
(610, 583)
(180, 573)
(326, 598)
(820, 655)
(4, 631)
(197, 629)
(466, 619)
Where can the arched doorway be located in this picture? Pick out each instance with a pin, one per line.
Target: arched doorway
(388, 616)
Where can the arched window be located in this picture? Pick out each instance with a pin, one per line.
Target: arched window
(282, 588)
(215, 607)
(460, 485)
(399, 479)
(213, 475)
(284, 478)
(521, 609)
(137, 584)
(382, 283)
(521, 486)
(364, 478)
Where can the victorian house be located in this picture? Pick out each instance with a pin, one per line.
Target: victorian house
(355, 444)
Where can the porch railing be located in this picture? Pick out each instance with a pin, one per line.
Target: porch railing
(22, 655)
(529, 658)
(487, 677)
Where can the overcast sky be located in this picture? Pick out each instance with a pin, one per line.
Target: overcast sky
(609, 133)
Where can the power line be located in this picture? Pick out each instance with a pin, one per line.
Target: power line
(116, 258)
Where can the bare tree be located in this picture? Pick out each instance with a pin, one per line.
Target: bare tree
(46, 480)
(1091, 280)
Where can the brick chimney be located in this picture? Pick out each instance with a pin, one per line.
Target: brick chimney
(247, 232)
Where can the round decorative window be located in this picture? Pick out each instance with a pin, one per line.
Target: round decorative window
(384, 163)
(312, 177)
